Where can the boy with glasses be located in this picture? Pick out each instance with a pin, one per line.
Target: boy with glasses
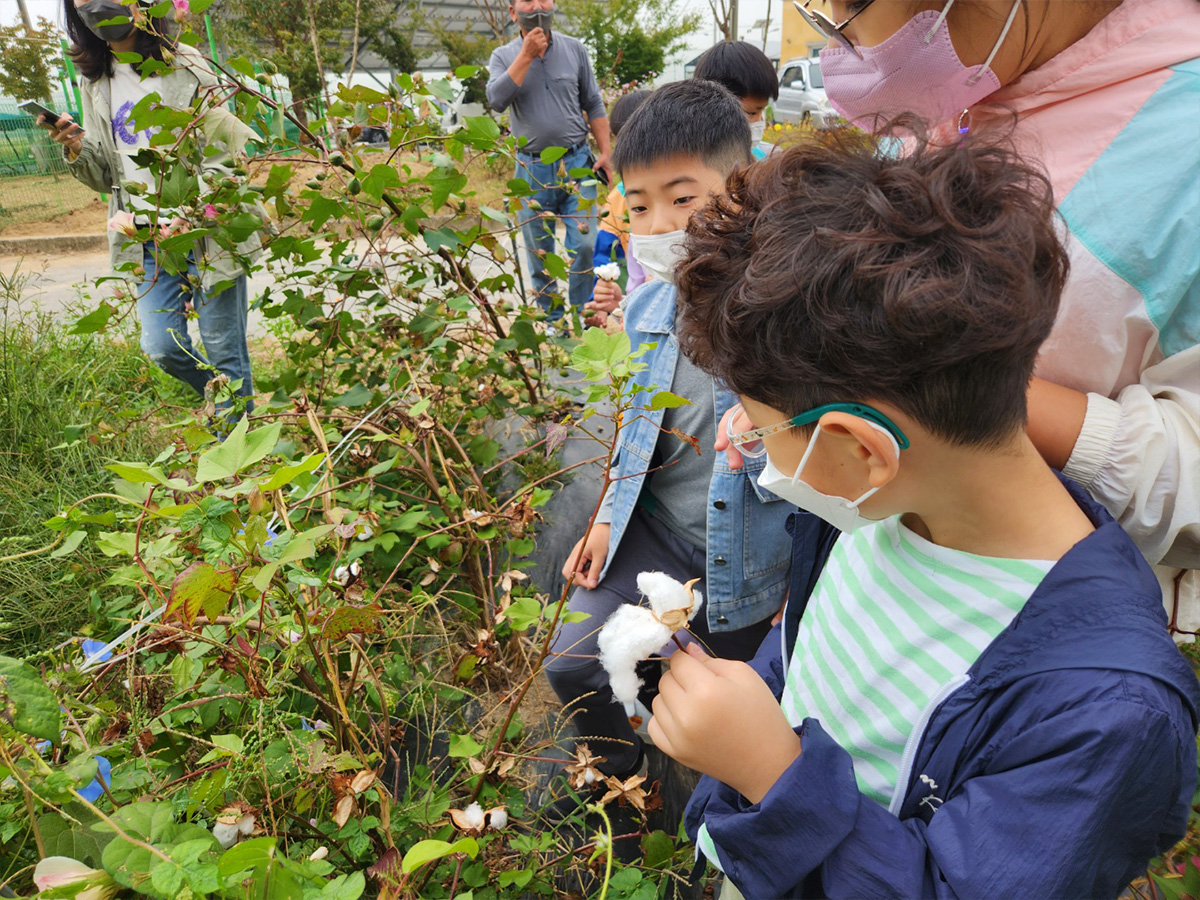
(973, 693)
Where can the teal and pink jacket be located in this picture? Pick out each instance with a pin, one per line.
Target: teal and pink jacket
(1115, 120)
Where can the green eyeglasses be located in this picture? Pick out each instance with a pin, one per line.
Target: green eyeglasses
(750, 443)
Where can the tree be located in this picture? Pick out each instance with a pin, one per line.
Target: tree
(465, 45)
(629, 39)
(298, 36)
(27, 60)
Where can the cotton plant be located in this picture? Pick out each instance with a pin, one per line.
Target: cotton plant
(633, 633)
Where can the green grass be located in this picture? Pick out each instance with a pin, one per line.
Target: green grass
(68, 404)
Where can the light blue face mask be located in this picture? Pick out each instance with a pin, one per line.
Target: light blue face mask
(839, 512)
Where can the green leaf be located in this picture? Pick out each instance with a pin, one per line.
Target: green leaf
(220, 126)
(359, 395)
(201, 586)
(598, 353)
(94, 321)
(667, 400)
(519, 877)
(70, 545)
(483, 129)
(249, 854)
(424, 852)
(380, 178)
(138, 473)
(352, 620)
(26, 703)
(238, 451)
(553, 154)
(344, 887)
(658, 848)
(287, 474)
(463, 745)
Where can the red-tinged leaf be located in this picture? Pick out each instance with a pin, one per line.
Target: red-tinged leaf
(352, 620)
(245, 646)
(556, 433)
(201, 587)
(687, 439)
(387, 868)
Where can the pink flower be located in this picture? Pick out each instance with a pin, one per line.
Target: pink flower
(123, 222)
(210, 211)
(181, 9)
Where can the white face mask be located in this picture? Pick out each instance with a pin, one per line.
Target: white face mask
(757, 129)
(839, 512)
(658, 254)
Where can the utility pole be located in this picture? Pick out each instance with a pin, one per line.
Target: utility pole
(25, 17)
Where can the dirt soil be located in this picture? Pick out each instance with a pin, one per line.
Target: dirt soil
(90, 219)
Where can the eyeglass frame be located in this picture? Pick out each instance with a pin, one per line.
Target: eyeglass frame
(821, 23)
(807, 418)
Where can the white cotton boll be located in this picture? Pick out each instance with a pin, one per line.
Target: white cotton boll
(226, 834)
(665, 593)
(366, 534)
(630, 635)
(473, 817)
(342, 575)
(245, 824)
(498, 818)
(319, 854)
(608, 271)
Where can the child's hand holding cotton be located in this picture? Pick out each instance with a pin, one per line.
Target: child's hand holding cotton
(633, 633)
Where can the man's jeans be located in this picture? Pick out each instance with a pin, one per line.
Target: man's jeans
(558, 196)
(222, 320)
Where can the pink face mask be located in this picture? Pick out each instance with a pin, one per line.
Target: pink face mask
(915, 70)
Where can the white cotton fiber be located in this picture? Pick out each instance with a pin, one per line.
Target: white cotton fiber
(666, 594)
(630, 635)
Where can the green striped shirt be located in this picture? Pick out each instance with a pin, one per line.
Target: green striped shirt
(894, 619)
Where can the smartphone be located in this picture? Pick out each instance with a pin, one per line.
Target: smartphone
(36, 109)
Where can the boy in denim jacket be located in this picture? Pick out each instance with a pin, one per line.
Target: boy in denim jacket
(669, 508)
(974, 693)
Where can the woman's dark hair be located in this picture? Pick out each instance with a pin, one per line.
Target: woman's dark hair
(831, 272)
(742, 68)
(624, 108)
(92, 54)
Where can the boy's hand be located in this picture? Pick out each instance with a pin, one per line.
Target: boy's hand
(741, 423)
(605, 298)
(718, 717)
(595, 552)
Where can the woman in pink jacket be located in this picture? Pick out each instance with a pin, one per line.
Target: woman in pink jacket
(1107, 95)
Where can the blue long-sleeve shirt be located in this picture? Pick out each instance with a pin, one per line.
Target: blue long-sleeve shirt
(1064, 761)
(547, 107)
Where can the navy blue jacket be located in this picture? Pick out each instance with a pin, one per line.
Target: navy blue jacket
(1057, 768)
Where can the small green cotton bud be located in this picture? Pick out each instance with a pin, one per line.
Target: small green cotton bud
(534, 204)
(337, 158)
(262, 78)
(269, 67)
(314, 184)
(354, 187)
(375, 223)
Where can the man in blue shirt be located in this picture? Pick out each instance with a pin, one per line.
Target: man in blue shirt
(545, 80)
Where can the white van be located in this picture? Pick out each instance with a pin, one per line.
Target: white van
(802, 93)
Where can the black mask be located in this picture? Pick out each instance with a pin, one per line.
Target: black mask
(542, 18)
(95, 11)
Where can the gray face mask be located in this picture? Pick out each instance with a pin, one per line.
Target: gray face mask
(542, 18)
(95, 11)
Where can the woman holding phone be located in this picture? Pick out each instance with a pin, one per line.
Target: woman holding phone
(103, 157)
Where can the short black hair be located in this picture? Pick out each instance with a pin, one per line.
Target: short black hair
(686, 118)
(742, 68)
(624, 108)
(832, 272)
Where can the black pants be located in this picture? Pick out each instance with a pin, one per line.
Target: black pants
(574, 668)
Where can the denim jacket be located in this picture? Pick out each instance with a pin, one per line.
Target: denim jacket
(748, 546)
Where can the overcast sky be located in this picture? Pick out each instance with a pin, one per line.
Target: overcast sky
(749, 11)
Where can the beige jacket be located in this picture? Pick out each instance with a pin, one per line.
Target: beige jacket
(98, 164)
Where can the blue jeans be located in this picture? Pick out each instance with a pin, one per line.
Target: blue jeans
(558, 196)
(222, 320)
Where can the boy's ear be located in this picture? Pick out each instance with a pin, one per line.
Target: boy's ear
(867, 443)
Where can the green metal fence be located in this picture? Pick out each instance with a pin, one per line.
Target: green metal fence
(35, 185)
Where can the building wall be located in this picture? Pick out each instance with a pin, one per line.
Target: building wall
(799, 38)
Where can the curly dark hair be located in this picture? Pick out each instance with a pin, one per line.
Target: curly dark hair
(833, 272)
